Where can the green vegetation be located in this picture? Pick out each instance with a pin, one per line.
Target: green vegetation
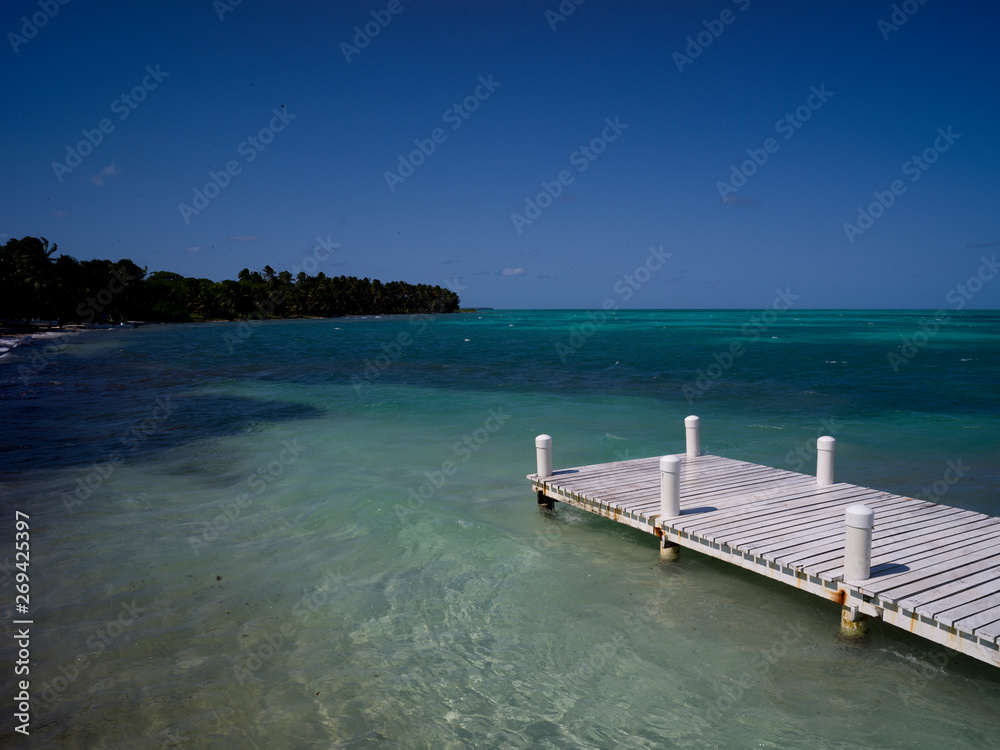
(34, 285)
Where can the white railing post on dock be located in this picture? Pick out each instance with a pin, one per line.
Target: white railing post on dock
(692, 428)
(670, 487)
(824, 460)
(543, 454)
(670, 503)
(858, 542)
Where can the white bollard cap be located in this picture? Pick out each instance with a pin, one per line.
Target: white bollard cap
(826, 443)
(670, 464)
(860, 516)
(543, 441)
(691, 420)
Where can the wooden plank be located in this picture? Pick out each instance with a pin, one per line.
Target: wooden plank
(735, 504)
(825, 537)
(616, 468)
(691, 488)
(895, 518)
(716, 497)
(899, 541)
(688, 496)
(981, 620)
(826, 561)
(808, 508)
(950, 603)
(779, 494)
(893, 588)
(990, 631)
(890, 524)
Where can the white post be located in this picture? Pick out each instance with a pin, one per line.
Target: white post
(543, 454)
(824, 460)
(858, 543)
(693, 430)
(670, 487)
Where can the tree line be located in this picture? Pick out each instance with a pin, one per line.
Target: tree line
(36, 285)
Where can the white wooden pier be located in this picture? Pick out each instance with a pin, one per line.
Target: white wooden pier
(928, 568)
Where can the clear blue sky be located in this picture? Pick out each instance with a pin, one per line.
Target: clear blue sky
(884, 95)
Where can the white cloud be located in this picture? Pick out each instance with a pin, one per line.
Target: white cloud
(193, 249)
(111, 170)
(513, 271)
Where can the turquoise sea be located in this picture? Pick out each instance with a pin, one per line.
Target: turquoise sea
(318, 533)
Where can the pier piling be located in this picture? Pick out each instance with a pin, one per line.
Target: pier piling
(670, 487)
(860, 521)
(670, 501)
(824, 460)
(692, 429)
(543, 454)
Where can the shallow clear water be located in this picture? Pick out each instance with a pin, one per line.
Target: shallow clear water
(230, 547)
